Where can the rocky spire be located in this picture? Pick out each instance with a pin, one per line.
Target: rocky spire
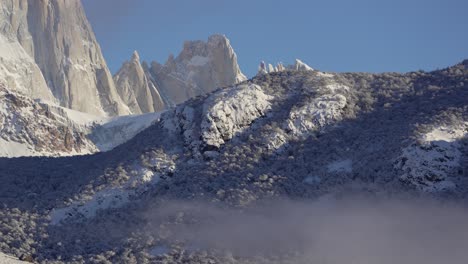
(135, 57)
(298, 66)
(133, 86)
(262, 69)
(301, 66)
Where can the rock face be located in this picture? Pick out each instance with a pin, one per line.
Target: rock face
(56, 36)
(200, 68)
(28, 128)
(135, 89)
(230, 111)
(18, 70)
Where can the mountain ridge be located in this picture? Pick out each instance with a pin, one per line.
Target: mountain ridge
(301, 135)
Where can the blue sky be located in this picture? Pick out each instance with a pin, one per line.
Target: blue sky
(330, 35)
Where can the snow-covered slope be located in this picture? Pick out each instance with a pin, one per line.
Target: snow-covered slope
(5, 259)
(230, 111)
(28, 128)
(429, 163)
(55, 37)
(34, 128)
(288, 135)
(110, 133)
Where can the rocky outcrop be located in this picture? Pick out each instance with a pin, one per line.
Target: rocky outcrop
(264, 69)
(200, 68)
(135, 89)
(28, 128)
(224, 114)
(298, 66)
(301, 66)
(230, 111)
(56, 35)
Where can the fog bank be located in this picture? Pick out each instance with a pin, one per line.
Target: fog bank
(345, 231)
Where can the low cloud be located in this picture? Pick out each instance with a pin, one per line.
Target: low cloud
(334, 231)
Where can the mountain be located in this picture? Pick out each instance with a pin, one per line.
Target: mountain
(33, 128)
(200, 68)
(50, 52)
(136, 89)
(212, 181)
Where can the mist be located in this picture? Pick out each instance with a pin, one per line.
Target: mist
(334, 231)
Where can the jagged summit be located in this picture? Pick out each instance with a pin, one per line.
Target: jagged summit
(269, 68)
(137, 91)
(201, 67)
(301, 66)
(135, 56)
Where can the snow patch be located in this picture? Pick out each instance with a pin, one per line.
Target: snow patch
(83, 119)
(14, 149)
(325, 74)
(199, 61)
(5, 259)
(446, 133)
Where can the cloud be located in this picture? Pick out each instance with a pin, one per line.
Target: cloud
(339, 231)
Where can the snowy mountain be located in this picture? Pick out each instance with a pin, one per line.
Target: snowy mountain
(291, 166)
(172, 193)
(200, 68)
(35, 128)
(48, 51)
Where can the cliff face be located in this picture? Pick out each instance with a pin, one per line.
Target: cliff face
(18, 70)
(135, 89)
(58, 38)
